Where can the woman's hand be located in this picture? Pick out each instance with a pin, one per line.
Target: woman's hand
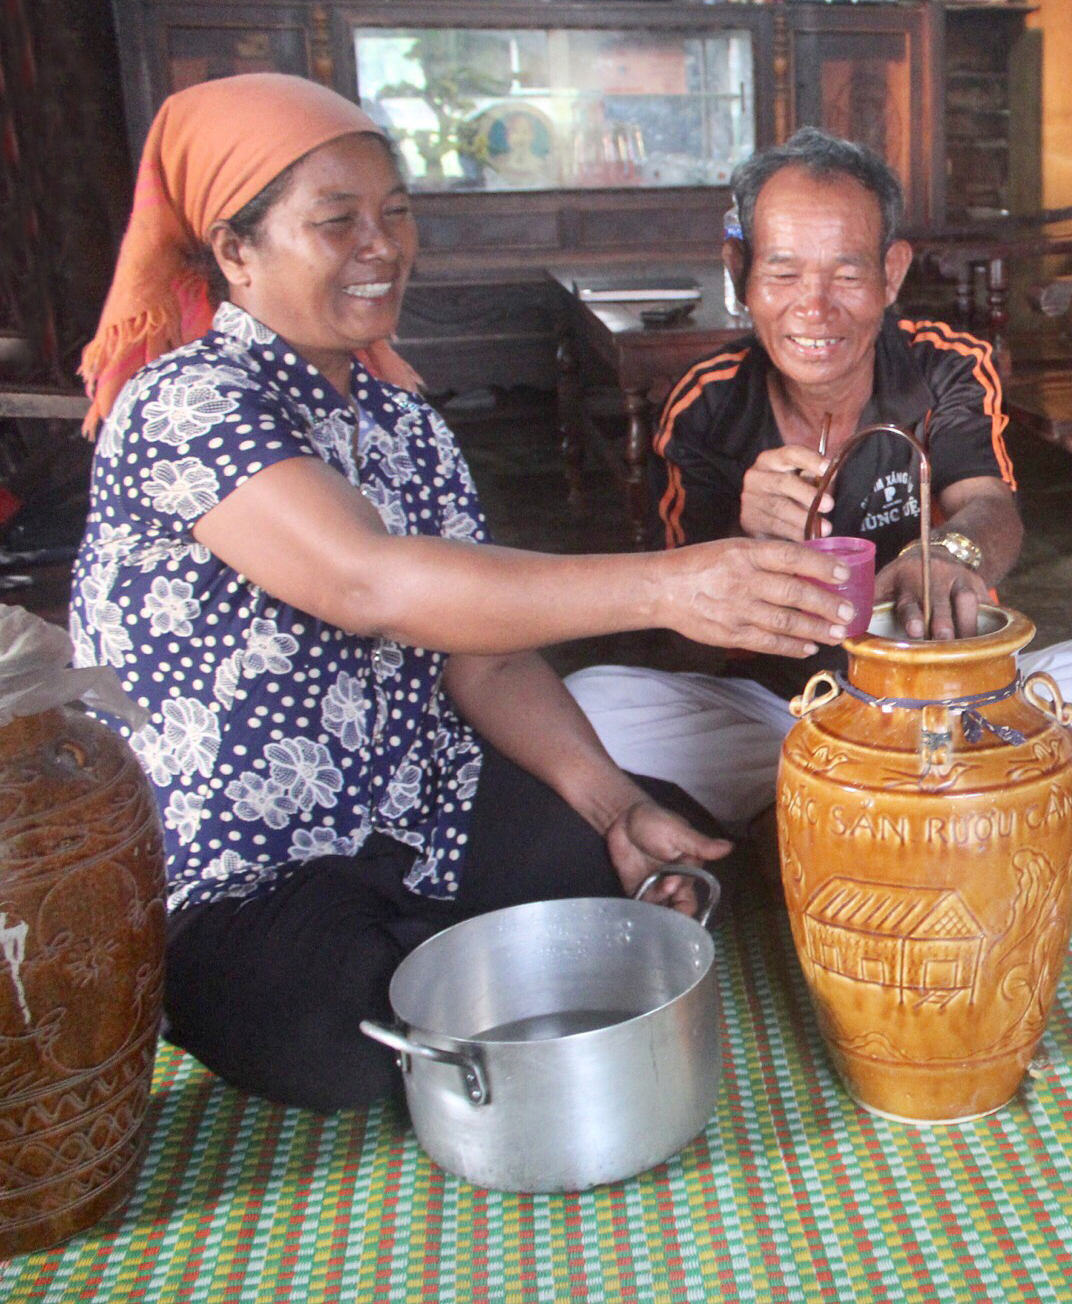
(747, 594)
(778, 490)
(645, 837)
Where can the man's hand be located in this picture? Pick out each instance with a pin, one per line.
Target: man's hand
(956, 592)
(746, 594)
(779, 488)
(646, 836)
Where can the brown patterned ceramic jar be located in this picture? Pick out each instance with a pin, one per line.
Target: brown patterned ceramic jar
(925, 829)
(81, 973)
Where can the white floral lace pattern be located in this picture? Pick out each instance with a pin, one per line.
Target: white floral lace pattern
(184, 488)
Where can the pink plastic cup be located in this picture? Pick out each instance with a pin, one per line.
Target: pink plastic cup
(859, 556)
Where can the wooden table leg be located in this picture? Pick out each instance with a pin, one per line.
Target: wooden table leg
(997, 302)
(570, 417)
(637, 447)
(965, 291)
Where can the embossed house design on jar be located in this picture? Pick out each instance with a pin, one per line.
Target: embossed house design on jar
(919, 940)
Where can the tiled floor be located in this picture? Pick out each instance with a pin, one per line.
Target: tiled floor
(513, 451)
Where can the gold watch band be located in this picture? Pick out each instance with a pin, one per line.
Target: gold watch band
(956, 546)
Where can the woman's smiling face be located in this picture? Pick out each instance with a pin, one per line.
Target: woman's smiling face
(331, 258)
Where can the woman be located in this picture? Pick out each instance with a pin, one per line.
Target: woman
(286, 562)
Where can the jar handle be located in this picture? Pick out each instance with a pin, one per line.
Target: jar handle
(1054, 706)
(807, 701)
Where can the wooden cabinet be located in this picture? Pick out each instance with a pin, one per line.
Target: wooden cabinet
(993, 94)
(870, 73)
(655, 77)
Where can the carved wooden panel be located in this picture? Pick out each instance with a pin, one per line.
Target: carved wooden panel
(463, 335)
(454, 309)
(869, 75)
(993, 94)
(64, 176)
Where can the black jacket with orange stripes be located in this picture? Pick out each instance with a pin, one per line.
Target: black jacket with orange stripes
(718, 419)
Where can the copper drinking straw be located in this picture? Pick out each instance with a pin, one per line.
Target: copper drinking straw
(924, 499)
(824, 433)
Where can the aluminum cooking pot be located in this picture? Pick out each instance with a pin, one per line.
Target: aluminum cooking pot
(563, 1044)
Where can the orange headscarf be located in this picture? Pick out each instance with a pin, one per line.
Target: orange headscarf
(210, 150)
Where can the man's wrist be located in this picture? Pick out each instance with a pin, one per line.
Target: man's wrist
(955, 545)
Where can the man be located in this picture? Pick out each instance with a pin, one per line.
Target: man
(736, 453)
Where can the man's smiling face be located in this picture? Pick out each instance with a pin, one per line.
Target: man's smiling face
(818, 283)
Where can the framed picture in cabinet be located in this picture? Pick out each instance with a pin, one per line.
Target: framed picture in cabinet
(514, 144)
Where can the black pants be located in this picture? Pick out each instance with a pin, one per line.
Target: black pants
(269, 992)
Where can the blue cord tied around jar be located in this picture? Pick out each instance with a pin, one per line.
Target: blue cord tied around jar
(972, 721)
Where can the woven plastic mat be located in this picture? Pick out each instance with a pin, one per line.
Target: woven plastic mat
(791, 1194)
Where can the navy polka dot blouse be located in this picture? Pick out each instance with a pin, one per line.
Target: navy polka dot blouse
(273, 736)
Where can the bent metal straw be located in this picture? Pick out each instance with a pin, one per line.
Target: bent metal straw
(924, 501)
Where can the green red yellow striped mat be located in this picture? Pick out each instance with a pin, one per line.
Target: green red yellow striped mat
(792, 1193)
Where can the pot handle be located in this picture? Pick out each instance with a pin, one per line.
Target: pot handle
(689, 871)
(473, 1076)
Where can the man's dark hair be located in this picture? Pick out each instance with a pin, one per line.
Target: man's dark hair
(826, 157)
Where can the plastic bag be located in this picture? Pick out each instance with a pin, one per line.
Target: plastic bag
(36, 673)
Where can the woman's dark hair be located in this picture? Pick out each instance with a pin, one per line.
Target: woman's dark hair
(247, 222)
(823, 156)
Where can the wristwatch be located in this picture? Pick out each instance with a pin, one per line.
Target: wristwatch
(958, 546)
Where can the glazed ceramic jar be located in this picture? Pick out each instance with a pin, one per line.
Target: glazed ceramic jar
(925, 830)
(81, 973)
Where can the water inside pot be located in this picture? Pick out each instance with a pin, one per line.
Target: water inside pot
(560, 1023)
(590, 961)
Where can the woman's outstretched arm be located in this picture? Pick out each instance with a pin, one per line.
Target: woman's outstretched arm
(303, 534)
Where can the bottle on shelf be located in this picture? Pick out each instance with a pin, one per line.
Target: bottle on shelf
(731, 230)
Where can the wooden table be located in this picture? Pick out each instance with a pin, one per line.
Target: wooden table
(608, 339)
(1043, 405)
(1002, 248)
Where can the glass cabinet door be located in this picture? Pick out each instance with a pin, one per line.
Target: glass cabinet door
(503, 109)
(201, 53)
